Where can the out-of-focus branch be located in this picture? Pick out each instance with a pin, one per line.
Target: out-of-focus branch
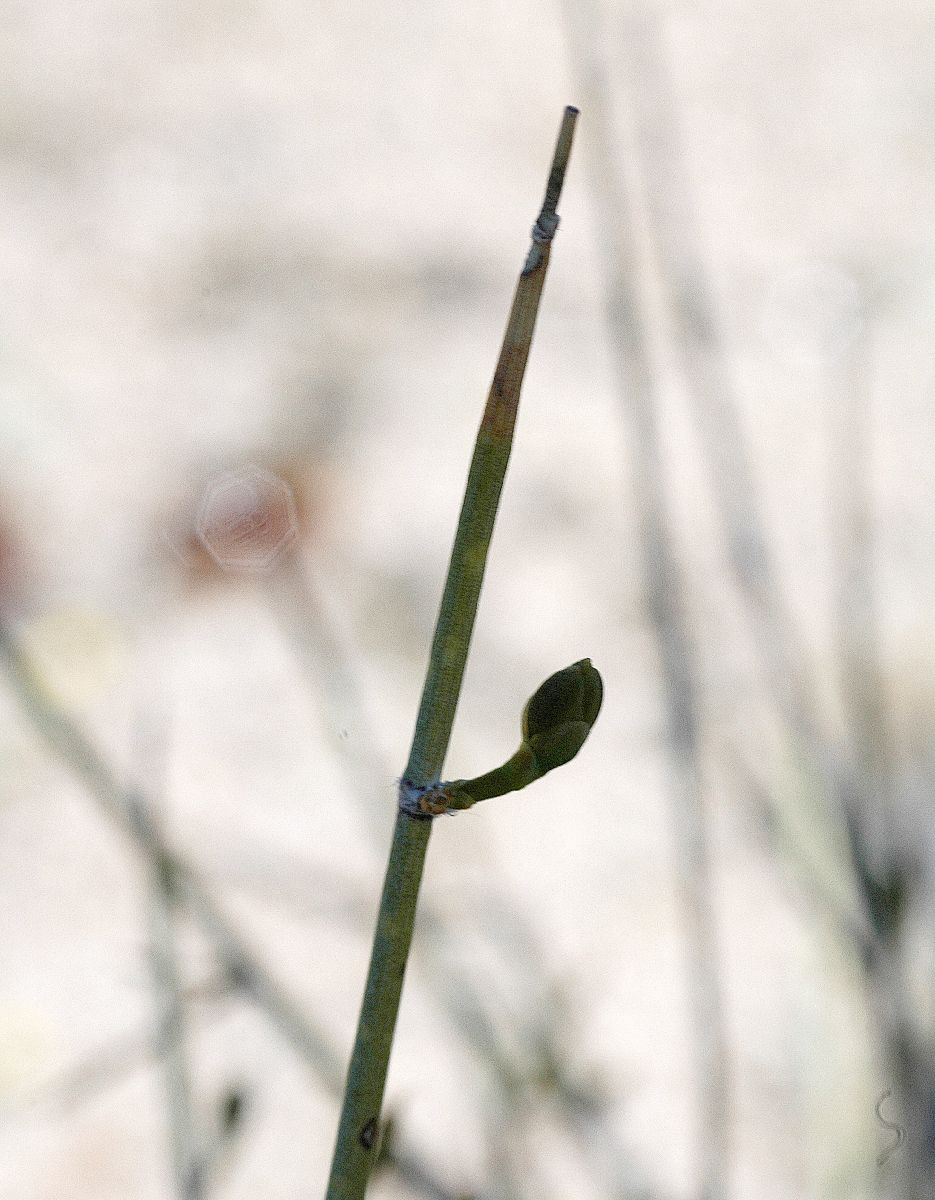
(129, 810)
(172, 1030)
(113, 1063)
(171, 1015)
(665, 590)
(697, 341)
(857, 778)
(300, 607)
(885, 862)
(698, 344)
(852, 930)
(863, 686)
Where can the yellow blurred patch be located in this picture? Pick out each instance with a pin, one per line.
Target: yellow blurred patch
(25, 1046)
(76, 653)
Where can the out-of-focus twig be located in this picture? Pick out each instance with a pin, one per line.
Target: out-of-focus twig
(855, 779)
(129, 810)
(113, 1063)
(665, 591)
(223, 1138)
(171, 1016)
(172, 1031)
(886, 865)
(852, 930)
(863, 686)
(698, 343)
(301, 609)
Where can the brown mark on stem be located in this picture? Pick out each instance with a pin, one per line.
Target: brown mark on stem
(503, 400)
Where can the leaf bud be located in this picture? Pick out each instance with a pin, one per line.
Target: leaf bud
(558, 716)
(556, 722)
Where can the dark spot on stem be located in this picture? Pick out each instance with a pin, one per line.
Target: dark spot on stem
(368, 1135)
(500, 410)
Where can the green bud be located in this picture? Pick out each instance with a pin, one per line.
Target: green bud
(556, 722)
(558, 717)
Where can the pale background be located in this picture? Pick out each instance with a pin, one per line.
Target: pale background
(285, 235)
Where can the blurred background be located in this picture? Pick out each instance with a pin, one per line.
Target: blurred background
(256, 261)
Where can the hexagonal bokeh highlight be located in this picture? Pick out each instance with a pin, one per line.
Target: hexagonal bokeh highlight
(247, 519)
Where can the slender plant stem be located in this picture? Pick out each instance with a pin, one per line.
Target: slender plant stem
(358, 1130)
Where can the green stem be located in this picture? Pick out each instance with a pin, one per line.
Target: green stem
(358, 1130)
